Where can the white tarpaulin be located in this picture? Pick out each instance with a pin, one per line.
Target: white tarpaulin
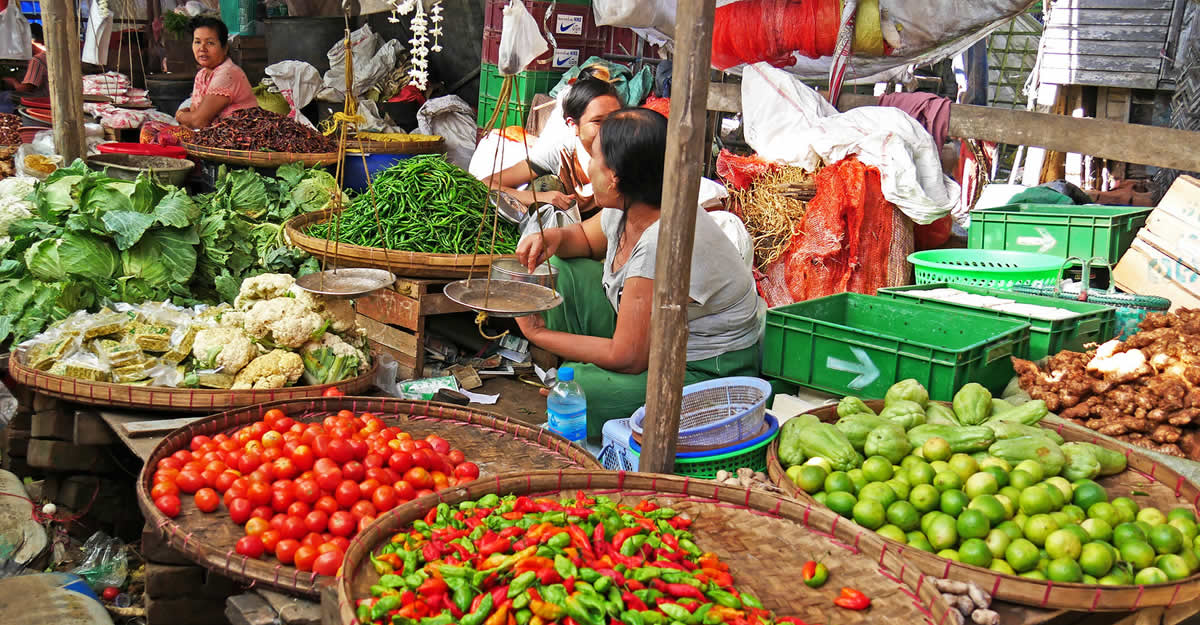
(788, 122)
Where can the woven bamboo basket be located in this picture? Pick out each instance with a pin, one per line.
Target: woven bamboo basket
(414, 146)
(407, 264)
(167, 398)
(249, 158)
(497, 444)
(1164, 489)
(764, 538)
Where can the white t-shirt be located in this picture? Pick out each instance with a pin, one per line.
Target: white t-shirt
(557, 136)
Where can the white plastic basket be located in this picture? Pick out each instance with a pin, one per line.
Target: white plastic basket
(615, 455)
(718, 412)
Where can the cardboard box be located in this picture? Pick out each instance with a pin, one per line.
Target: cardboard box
(1164, 259)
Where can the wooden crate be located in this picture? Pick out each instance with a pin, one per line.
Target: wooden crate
(395, 319)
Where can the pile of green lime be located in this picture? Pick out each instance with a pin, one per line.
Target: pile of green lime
(1011, 519)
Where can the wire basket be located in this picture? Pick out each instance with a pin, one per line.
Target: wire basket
(1131, 307)
(994, 269)
(718, 412)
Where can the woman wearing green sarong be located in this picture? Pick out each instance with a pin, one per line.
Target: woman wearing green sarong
(606, 277)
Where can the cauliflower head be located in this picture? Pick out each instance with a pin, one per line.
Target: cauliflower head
(275, 369)
(331, 359)
(228, 349)
(263, 287)
(338, 312)
(284, 321)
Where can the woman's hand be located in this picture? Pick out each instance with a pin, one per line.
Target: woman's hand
(530, 325)
(561, 201)
(536, 249)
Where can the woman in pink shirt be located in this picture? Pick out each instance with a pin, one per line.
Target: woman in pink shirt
(221, 87)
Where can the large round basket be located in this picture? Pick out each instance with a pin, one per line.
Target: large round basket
(249, 158)
(166, 398)
(497, 444)
(411, 264)
(764, 538)
(1161, 486)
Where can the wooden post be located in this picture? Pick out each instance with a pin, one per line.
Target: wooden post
(63, 67)
(677, 230)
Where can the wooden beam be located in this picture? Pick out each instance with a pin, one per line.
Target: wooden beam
(1131, 143)
(63, 68)
(677, 230)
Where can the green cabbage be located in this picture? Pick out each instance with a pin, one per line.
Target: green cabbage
(314, 192)
(44, 261)
(88, 255)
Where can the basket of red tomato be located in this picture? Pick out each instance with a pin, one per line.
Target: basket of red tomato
(274, 493)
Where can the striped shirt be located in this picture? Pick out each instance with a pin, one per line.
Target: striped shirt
(35, 74)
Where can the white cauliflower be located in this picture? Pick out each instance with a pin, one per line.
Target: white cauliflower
(227, 349)
(331, 359)
(275, 369)
(284, 322)
(338, 312)
(13, 205)
(263, 287)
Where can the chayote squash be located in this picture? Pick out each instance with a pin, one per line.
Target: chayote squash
(1033, 447)
(853, 405)
(1012, 429)
(962, 439)
(910, 390)
(973, 404)
(940, 414)
(999, 406)
(856, 427)
(1082, 463)
(889, 441)
(791, 451)
(1028, 413)
(823, 440)
(907, 414)
(1111, 462)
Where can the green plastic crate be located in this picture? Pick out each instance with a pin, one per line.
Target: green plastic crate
(1093, 323)
(1057, 230)
(706, 468)
(525, 85)
(851, 344)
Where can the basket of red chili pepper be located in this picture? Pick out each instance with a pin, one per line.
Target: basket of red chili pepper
(598, 548)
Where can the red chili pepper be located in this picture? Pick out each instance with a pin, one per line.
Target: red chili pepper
(411, 610)
(454, 609)
(431, 552)
(523, 504)
(670, 541)
(569, 621)
(569, 584)
(791, 620)
(645, 505)
(616, 577)
(509, 532)
(546, 505)
(498, 544)
(621, 536)
(612, 620)
(548, 576)
(477, 601)
(667, 564)
(584, 501)
(578, 537)
(473, 522)
(852, 599)
(407, 597)
(632, 602)
(431, 516)
(499, 594)
(436, 602)
(678, 590)
(688, 564)
(633, 584)
(433, 586)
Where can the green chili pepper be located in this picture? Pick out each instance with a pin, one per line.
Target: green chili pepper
(675, 612)
(555, 593)
(690, 547)
(602, 584)
(455, 571)
(564, 567)
(724, 599)
(379, 590)
(589, 575)
(490, 500)
(521, 583)
(522, 616)
(463, 596)
(649, 596)
(559, 541)
(383, 606)
(546, 552)
(391, 581)
(697, 617)
(413, 580)
(521, 601)
(445, 618)
(480, 614)
(652, 617)
(751, 601)
(633, 544)
(615, 600)
(646, 573)
(363, 612)
(632, 617)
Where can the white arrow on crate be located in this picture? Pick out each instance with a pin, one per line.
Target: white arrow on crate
(864, 367)
(1044, 241)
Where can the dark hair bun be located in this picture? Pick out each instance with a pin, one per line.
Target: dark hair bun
(634, 144)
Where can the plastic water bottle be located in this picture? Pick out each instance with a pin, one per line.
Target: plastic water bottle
(566, 407)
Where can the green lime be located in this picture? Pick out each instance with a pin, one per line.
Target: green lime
(1165, 538)
(1088, 493)
(939, 465)
(1079, 532)
(973, 524)
(928, 518)
(1174, 566)
(920, 474)
(1064, 487)
(1062, 518)
(1144, 525)
(1057, 499)
(1011, 492)
(947, 480)
(1034, 575)
(1033, 468)
(910, 460)
(1043, 561)
(1127, 533)
(953, 502)
(1002, 567)
(942, 532)
(1076, 513)
(1064, 570)
(838, 482)
(990, 506)
(1097, 529)
(1091, 581)
(1020, 519)
(1021, 480)
(1105, 512)
(1139, 554)
(975, 551)
(1000, 474)
(949, 554)
(1035, 500)
(822, 498)
(1193, 561)
(981, 483)
(1063, 544)
(1039, 527)
(841, 503)
(821, 462)
(1012, 529)
(904, 515)
(810, 479)
(918, 540)
(965, 466)
(1009, 507)
(869, 513)
(936, 448)
(997, 541)
(878, 491)
(1187, 527)
(1112, 579)
(1022, 555)
(892, 532)
(1153, 516)
(1096, 559)
(924, 497)
(857, 478)
(999, 463)
(899, 487)
(877, 469)
(1150, 576)
(1127, 508)
(1181, 513)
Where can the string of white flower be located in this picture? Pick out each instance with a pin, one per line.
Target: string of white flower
(436, 31)
(419, 50)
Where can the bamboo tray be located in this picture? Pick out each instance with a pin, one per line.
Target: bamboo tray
(1164, 487)
(167, 398)
(407, 264)
(249, 158)
(764, 538)
(497, 444)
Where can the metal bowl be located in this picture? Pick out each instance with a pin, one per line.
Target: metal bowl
(503, 298)
(512, 269)
(341, 283)
(172, 171)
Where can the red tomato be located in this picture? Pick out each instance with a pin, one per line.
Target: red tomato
(374, 461)
(183, 456)
(456, 457)
(284, 468)
(418, 477)
(278, 521)
(273, 415)
(419, 459)
(207, 499)
(189, 482)
(304, 557)
(249, 462)
(284, 425)
(164, 488)
(303, 457)
(400, 461)
(384, 498)
(321, 445)
(365, 522)
(421, 444)
(294, 527)
(340, 451)
(436, 461)
(332, 391)
(225, 480)
(239, 510)
(271, 455)
(438, 443)
(198, 441)
(342, 523)
(281, 498)
(286, 550)
(328, 563)
(307, 491)
(262, 512)
(329, 479)
(228, 445)
(256, 526)
(165, 475)
(210, 477)
(168, 505)
(364, 508)
(423, 492)
(359, 447)
(407, 445)
(316, 521)
(439, 480)
(299, 508)
(250, 546)
(378, 474)
(405, 491)
(272, 439)
(367, 488)
(263, 474)
(347, 493)
(270, 539)
(328, 504)
(259, 494)
(341, 542)
(466, 471)
(313, 539)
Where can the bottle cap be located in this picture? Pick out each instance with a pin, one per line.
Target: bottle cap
(566, 374)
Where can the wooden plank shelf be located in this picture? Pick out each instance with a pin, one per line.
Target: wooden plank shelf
(395, 319)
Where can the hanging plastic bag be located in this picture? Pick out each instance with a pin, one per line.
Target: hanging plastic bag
(521, 40)
(16, 42)
(104, 562)
(99, 32)
(452, 118)
(298, 83)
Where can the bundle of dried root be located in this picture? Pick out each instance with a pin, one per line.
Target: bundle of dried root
(771, 209)
(746, 478)
(969, 602)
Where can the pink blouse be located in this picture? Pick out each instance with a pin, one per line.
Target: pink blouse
(228, 80)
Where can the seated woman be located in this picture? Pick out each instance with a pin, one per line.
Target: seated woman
(606, 276)
(220, 87)
(587, 104)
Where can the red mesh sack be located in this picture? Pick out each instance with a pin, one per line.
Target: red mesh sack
(740, 172)
(772, 30)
